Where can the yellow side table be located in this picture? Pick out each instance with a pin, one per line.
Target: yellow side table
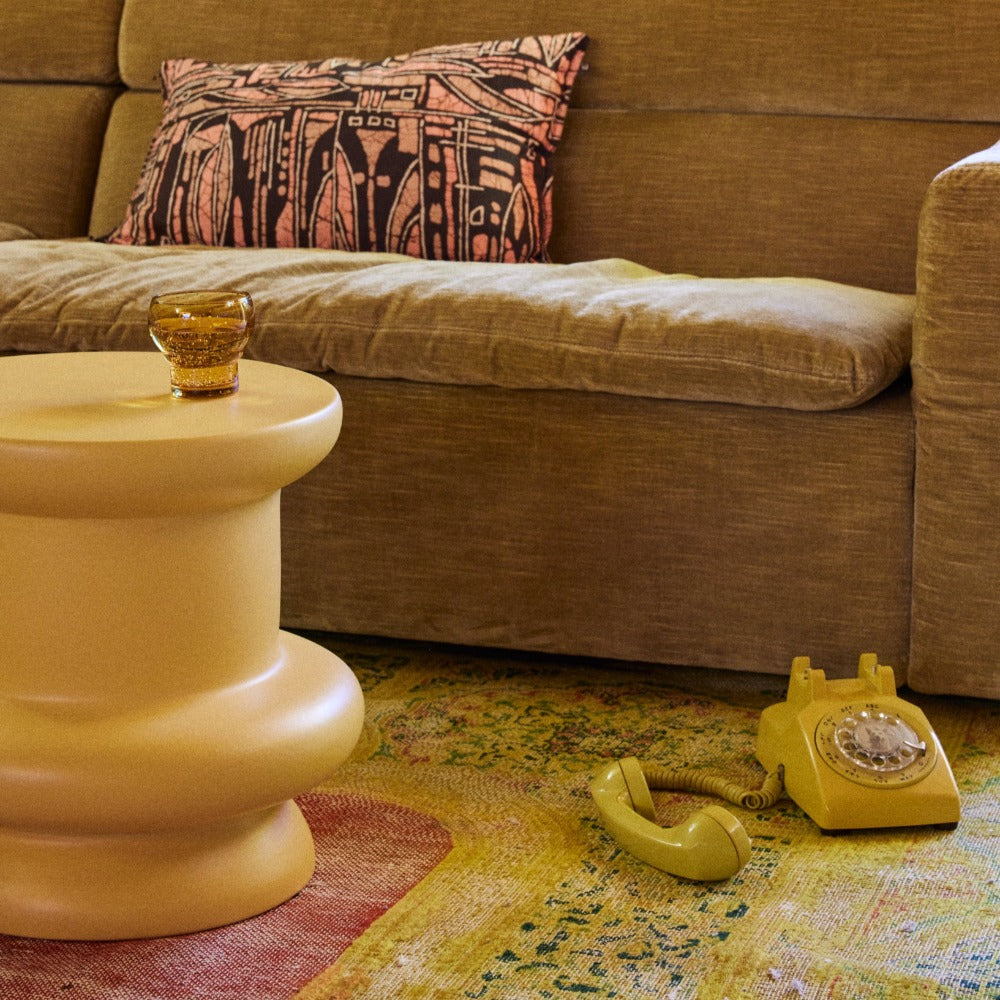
(155, 723)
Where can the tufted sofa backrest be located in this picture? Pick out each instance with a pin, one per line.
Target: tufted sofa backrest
(716, 137)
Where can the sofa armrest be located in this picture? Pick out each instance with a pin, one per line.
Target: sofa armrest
(955, 643)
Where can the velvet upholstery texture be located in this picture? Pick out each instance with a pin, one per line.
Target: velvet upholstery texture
(606, 326)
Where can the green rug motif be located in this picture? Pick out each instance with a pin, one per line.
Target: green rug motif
(536, 901)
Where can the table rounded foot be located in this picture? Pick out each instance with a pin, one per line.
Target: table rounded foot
(110, 830)
(106, 887)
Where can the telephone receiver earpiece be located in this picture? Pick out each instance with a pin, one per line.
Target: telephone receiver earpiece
(710, 845)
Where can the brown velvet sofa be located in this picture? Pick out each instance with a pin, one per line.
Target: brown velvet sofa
(795, 453)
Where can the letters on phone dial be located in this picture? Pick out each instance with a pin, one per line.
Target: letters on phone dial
(848, 752)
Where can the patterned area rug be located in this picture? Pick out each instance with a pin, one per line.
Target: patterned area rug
(460, 856)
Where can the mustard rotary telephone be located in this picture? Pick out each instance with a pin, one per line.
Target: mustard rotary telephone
(849, 753)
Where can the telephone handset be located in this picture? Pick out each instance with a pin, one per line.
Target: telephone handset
(849, 752)
(709, 846)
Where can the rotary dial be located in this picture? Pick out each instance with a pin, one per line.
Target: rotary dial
(878, 741)
(873, 745)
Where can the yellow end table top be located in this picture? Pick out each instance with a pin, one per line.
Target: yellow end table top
(71, 421)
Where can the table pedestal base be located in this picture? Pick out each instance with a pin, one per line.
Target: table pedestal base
(153, 884)
(172, 817)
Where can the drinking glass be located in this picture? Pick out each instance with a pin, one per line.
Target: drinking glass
(202, 334)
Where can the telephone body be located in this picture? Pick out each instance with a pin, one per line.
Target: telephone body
(849, 752)
(855, 756)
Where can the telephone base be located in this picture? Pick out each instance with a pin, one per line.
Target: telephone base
(847, 831)
(854, 756)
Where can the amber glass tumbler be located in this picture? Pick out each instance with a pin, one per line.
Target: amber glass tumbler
(202, 334)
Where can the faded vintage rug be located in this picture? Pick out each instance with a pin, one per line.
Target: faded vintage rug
(460, 857)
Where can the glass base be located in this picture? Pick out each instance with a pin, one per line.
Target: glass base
(213, 380)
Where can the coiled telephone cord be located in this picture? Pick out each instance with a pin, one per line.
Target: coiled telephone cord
(665, 778)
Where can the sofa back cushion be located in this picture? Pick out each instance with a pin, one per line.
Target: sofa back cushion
(769, 137)
(47, 172)
(58, 78)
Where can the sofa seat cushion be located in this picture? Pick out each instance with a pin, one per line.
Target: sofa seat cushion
(605, 326)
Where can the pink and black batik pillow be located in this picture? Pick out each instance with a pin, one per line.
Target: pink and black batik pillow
(444, 153)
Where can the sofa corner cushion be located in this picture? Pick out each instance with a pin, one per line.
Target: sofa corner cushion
(443, 153)
(606, 326)
(52, 136)
(51, 40)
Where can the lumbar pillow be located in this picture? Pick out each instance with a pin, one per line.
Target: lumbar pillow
(445, 153)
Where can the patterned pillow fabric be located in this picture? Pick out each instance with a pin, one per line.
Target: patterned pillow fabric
(444, 153)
